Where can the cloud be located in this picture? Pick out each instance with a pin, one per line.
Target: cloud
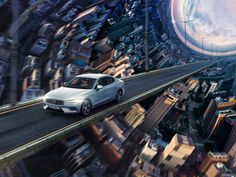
(215, 20)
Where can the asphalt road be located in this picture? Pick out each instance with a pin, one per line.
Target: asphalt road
(22, 126)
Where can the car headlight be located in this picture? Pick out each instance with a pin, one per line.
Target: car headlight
(72, 101)
(45, 97)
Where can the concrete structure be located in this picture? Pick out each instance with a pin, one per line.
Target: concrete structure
(176, 152)
(31, 87)
(146, 169)
(216, 121)
(104, 61)
(149, 151)
(71, 71)
(56, 80)
(225, 84)
(217, 170)
(194, 84)
(231, 150)
(103, 46)
(135, 116)
(226, 137)
(230, 146)
(211, 158)
(158, 111)
(226, 103)
(209, 112)
(114, 131)
(212, 88)
(119, 67)
(217, 104)
(4, 66)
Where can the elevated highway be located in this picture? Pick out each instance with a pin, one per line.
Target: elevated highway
(25, 130)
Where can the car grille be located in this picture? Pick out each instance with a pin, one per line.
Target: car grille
(55, 102)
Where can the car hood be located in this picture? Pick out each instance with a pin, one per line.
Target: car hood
(65, 93)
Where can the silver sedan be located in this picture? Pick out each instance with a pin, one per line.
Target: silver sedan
(85, 92)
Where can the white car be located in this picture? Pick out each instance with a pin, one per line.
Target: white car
(85, 92)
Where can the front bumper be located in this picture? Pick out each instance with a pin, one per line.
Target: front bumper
(62, 108)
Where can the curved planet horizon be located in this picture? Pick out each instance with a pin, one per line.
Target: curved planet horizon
(213, 25)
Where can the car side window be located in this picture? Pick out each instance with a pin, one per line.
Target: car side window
(105, 81)
(102, 81)
(110, 80)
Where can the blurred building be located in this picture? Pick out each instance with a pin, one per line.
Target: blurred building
(149, 150)
(226, 137)
(212, 88)
(212, 157)
(218, 170)
(103, 46)
(115, 132)
(146, 169)
(217, 104)
(57, 79)
(135, 116)
(104, 61)
(31, 86)
(13, 170)
(119, 68)
(231, 150)
(4, 62)
(70, 71)
(176, 153)
(225, 85)
(228, 103)
(217, 119)
(209, 112)
(194, 84)
(158, 111)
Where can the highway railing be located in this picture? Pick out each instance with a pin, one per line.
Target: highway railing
(40, 143)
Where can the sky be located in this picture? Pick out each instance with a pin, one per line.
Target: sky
(214, 20)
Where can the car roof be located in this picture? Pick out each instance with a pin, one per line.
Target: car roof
(94, 76)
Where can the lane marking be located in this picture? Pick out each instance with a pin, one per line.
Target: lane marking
(19, 108)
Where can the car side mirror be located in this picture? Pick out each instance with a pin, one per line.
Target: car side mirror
(99, 87)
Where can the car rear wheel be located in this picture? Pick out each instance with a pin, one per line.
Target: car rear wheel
(86, 108)
(119, 96)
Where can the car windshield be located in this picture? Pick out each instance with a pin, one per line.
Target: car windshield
(81, 83)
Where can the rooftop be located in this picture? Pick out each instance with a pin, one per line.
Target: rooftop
(218, 155)
(231, 120)
(220, 100)
(184, 140)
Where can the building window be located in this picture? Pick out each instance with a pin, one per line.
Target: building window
(169, 157)
(185, 157)
(162, 166)
(176, 148)
(178, 166)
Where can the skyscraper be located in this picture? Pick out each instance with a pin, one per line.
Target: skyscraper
(176, 152)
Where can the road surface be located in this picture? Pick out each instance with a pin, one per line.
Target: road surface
(22, 126)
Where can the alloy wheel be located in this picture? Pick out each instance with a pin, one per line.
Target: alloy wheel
(86, 107)
(119, 96)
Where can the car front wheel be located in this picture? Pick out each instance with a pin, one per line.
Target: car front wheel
(86, 108)
(119, 96)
